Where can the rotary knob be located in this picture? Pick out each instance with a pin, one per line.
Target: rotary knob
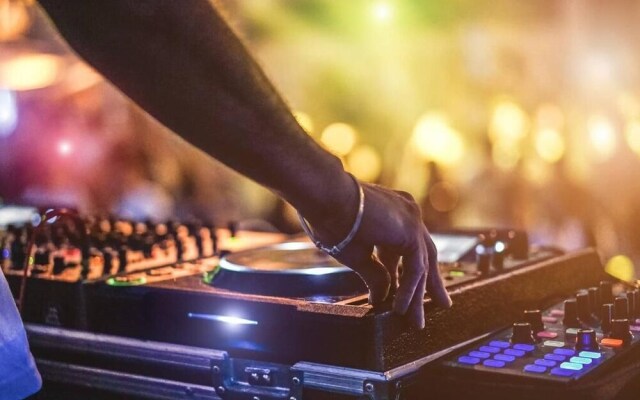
(621, 308)
(606, 292)
(586, 340)
(606, 315)
(584, 307)
(570, 314)
(521, 333)
(534, 318)
(620, 330)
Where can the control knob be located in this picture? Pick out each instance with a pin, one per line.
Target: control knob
(522, 333)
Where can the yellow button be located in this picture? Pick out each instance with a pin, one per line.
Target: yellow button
(611, 342)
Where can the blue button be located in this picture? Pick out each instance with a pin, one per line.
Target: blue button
(545, 363)
(524, 347)
(504, 357)
(489, 349)
(590, 354)
(499, 343)
(562, 372)
(479, 354)
(493, 363)
(468, 360)
(554, 357)
(571, 366)
(564, 352)
(536, 369)
(581, 360)
(512, 352)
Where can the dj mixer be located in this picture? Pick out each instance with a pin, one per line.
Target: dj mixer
(194, 312)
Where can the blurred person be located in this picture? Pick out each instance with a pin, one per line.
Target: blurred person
(181, 62)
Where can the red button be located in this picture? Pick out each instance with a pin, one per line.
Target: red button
(551, 320)
(611, 342)
(557, 313)
(547, 335)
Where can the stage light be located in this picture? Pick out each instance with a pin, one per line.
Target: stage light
(65, 147)
(549, 145)
(632, 133)
(621, 267)
(435, 140)
(382, 12)
(339, 138)
(364, 163)
(305, 121)
(8, 112)
(508, 122)
(602, 135)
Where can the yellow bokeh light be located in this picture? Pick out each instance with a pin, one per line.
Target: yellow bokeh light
(30, 71)
(621, 267)
(364, 163)
(633, 135)
(509, 122)
(339, 138)
(436, 140)
(304, 120)
(602, 136)
(505, 154)
(549, 145)
(382, 11)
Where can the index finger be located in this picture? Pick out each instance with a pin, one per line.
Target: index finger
(435, 284)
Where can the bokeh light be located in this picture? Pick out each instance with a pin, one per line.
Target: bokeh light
(632, 133)
(382, 11)
(30, 71)
(602, 136)
(364, 163)
(509, 122)
(621, 267)
(65, 147)
(505, 154)
(549, 145)
(8, 112)
(435, 140)
(339, 138)
(14, 19)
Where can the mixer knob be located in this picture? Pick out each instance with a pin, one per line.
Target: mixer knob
(584, 309)
(570, 314)
(594, 299)
(620, 308)
(586, 340)
(606, 315)
(521, 333)
(122, 258)
(606, 292)
(534, 318)
(620, 330)
(483, 259)
(633, 296)
(58, 264)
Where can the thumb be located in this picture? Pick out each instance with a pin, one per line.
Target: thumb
(369, 268)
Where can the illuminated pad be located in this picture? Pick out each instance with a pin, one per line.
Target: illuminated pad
(611, 342)
(590, 354)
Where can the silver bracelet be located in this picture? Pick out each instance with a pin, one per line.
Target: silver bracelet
(335, 250)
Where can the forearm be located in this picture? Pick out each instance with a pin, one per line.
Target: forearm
(181, 63)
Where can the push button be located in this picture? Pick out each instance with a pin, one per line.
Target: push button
(553, 343)
(504, 357)
(524, 347)
(547, 335)
(493, 363)
(615, 343)
(468, 360)
(572, 366)
(535, 369)
(545, 363)
(564, 352)
(479, 354)
(513, 352)
(554, 357)
(581, 360)
(489, 349)
(500, 344)
(562, 372)
(590, 354)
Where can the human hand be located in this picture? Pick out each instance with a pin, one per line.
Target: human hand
(392, 224)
